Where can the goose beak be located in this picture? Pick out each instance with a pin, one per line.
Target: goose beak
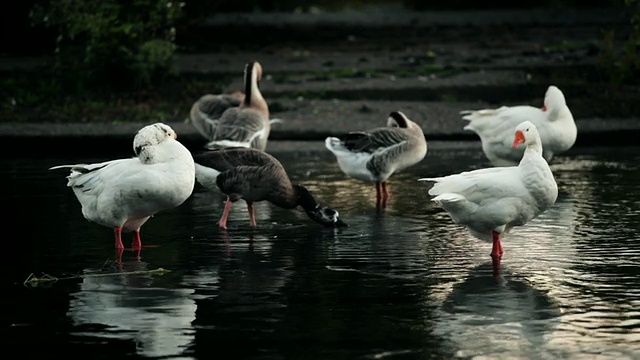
(326, 216)
(519, 139)
(340, 223)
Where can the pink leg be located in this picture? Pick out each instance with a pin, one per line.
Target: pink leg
(378, 193)
(252, 214)
(225, 214)
(385, 190)
(385, 194)
(118, 232)
(496, 253)
(118, 255)
(137, 243)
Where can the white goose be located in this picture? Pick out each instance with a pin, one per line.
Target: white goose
(495, 127)
(376, 154)
(489, 202)
(246, 125)
(124, 193)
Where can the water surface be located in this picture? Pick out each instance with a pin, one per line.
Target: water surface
(404, 282)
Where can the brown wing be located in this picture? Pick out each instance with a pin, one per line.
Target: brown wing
(374, 140)
(227, 158)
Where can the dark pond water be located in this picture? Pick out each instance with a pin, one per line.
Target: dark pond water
(403, 283)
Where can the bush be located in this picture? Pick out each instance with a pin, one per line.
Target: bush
(621, 59)
(111, 43)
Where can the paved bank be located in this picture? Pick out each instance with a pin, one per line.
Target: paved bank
(104, 139)
(361, 66)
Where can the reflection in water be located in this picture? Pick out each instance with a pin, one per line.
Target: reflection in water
(496, 317)
(603, 277)
(240, 298)
(133, 307)
(404, 282)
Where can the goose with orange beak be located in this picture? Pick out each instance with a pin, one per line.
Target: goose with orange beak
(490, 202)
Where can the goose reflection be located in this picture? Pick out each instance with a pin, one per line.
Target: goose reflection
(241, 296)
(121, 305)
(382, 244)
(504, 317)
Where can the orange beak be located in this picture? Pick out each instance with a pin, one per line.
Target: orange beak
(519, 139)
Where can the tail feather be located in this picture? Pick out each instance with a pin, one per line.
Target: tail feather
(471, 115)
(448, 198)
(456, 205)
(219, 144)
(207, 176)
(62, 167)
(436, 189)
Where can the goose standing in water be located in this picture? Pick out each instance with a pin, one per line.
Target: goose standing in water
(124, 193)
(376, 154)
(557, 129)
(253, 175)
(489, 202)
(246, 125)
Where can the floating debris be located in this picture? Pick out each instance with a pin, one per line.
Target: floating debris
(33, 281)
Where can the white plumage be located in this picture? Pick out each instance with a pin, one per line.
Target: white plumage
(374, 155)
(489, 202)
(495, 127)
(124, 193)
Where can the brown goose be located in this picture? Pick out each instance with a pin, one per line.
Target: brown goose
(374, 155)
(206, 111)
(253, 175)
(246, 125)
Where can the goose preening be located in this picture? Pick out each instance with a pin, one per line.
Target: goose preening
(245, 125)
(124, 193)
(253, 175)
(374, 155)
(489, 202)
(557, 129)
(206, 111)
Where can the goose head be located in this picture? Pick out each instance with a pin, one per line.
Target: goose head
(526, 133)
(252, 95)
(553, 99)
(397, 119)
(321, 214)
(148, 138)
(152, 135)
(252, 73)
